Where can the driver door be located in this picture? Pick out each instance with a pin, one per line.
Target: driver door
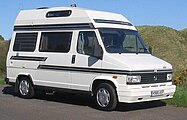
(86, 61)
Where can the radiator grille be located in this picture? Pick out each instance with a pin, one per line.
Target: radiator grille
(148, 78)
(153, 78)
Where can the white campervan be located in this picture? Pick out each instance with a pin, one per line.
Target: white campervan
(78, 49)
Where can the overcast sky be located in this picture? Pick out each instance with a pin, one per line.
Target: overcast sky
(171, 13)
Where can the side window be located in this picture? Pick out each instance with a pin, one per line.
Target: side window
(87, 43)
(25, 42)
(55, 42)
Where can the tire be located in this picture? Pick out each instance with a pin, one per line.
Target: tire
(105, 97)
(25, 88)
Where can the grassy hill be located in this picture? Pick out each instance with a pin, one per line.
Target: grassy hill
(184, 33)
(167, 43)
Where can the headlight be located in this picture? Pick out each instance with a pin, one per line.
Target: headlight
(169, 76)
(133, 79)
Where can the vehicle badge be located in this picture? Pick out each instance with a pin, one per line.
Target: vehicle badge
(155, 78)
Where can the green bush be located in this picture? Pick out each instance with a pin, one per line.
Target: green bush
(3, 52)
(181, 79)
(1, 38)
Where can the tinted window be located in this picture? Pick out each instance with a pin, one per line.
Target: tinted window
(55, 42)
(65, 13)
(25, 42)
(87, 43)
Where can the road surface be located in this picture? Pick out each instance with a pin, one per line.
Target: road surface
(69, 106)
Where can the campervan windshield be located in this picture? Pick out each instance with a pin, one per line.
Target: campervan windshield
(122, 41)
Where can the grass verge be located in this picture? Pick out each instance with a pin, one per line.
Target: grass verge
(180, 97)
(2, 81)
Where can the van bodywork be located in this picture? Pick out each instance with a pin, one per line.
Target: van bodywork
(135, 74)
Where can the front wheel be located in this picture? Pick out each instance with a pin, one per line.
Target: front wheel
(25, 88)
(105, 97)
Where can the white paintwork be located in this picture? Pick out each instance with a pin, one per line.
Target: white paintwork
(131, 94)
(80, 80)
(136, 62)
(79, 15)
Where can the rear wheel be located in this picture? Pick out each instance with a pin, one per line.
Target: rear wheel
(25, 88)
(105, 97)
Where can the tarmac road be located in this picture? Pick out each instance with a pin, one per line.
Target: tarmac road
(69, 106)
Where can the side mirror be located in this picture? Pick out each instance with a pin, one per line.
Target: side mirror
(98, 53)
(150, 50)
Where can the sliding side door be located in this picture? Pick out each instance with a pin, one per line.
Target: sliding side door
(53, 72)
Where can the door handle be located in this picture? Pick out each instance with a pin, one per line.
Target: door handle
(73, 59)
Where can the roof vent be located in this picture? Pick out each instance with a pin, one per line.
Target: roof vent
(64, 13)
(73, 5)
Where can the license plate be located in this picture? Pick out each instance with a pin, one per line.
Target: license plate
(157, 93)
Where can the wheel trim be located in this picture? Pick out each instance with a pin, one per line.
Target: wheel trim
(24, 87)
(103, 97)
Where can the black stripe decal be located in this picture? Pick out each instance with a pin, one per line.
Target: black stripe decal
(28, 58)
(97, 70)
(53, 27)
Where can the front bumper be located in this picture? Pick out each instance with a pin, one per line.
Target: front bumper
(142, 93)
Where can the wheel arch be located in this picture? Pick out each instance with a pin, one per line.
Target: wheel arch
(20, 75)
(103, 79)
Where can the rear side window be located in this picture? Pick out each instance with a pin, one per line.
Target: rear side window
(55, 42)
(25, 42)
